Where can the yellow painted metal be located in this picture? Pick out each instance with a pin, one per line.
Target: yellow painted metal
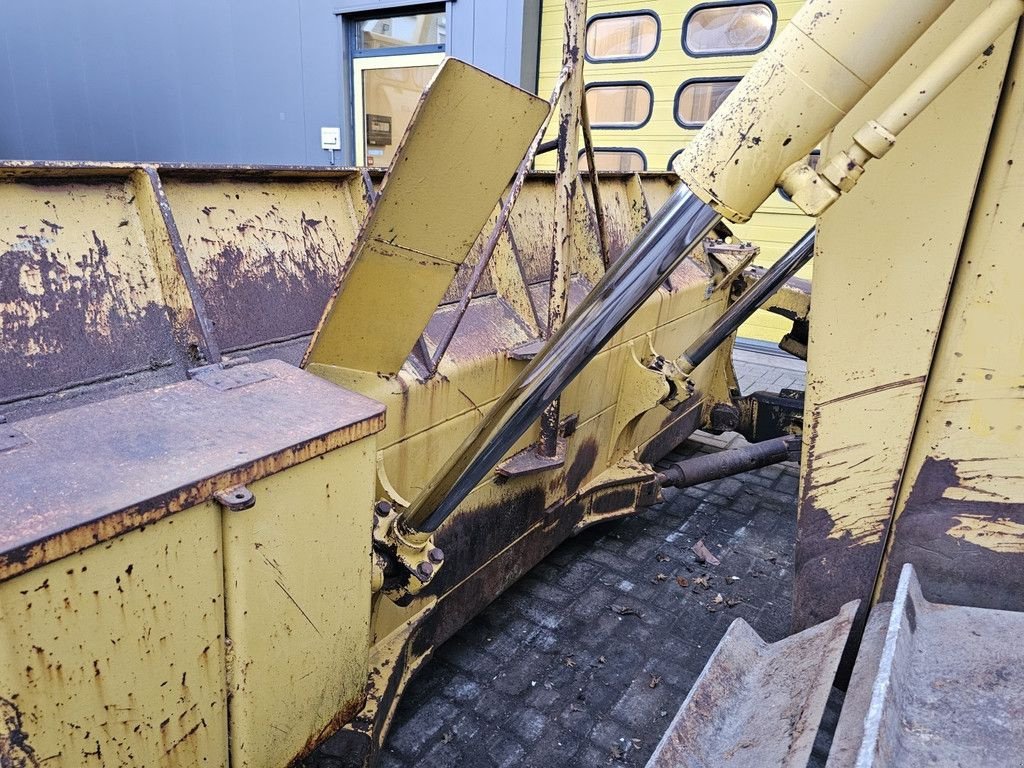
(297, 574)
(410, 247)
(815, 189)
(566, 168)
(866, 375)
(821, 65)
(115, 655)
(93, 217)
(641, 388)
(960, 512)
(297, 669)
(249, 237)
(778, 223)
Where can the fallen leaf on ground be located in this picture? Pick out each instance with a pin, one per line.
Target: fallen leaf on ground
(625, 610)
(682, 582)
(704, 554)
(702, 581)
(659, 578)
(661, 558)
(732, 601)
(718, 599)
(570, 661)
(731, 579)
(654, 681)
(448, 736)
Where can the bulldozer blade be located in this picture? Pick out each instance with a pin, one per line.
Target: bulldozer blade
(757, 703)
(934, 684)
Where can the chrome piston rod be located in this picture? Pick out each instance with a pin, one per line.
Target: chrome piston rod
(668, 238)
(749, 302)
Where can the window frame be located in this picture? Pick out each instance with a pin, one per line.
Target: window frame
(617, 14)
(726, 4)
(673, 156)
(693, 81)
(619, 126)
(354, 21)
(633, 150)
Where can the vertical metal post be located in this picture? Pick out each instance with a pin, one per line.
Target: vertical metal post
(566, 177)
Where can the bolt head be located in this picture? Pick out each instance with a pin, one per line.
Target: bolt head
(435, 556)
(382, 507)
(424, 570)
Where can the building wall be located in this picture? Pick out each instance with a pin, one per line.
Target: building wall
(210, 81)
(779, 223)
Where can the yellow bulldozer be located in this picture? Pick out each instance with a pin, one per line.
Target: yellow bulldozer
(270, 436)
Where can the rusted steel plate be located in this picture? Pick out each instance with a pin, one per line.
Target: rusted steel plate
(80, 288)
(757, 704)
(934, 685)
(266, 252)
(90, 473)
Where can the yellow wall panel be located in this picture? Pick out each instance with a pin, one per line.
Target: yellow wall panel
(778, 224)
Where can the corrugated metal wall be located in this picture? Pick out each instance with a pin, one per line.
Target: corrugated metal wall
(209, 81)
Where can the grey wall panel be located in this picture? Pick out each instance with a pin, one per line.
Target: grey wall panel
(204, 81)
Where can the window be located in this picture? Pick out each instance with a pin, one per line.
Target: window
(622, 36)
(697, 100)
(619, 105)
(728, 29)
(616, 160)
(414, 32)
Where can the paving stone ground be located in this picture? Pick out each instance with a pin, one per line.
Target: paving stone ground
(585, 661)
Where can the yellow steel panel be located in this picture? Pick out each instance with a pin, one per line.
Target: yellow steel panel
(115, 655)
(260, 244)
(886, 254)
(466, 139)
(297, 577)
(960, 515)
(86, 285)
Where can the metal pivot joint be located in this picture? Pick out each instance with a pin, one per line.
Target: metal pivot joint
(404, 561)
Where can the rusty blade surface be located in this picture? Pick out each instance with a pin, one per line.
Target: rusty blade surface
(934, 685)
(757, 704)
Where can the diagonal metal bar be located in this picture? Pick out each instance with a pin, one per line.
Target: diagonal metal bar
(499, 226)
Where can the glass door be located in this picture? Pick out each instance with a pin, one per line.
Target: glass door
(393, 59)
(386, 90)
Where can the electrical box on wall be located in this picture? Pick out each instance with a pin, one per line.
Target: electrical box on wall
(330, 137)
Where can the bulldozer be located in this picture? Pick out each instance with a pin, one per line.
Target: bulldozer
(269, 436)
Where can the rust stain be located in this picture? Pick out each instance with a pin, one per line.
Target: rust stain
(833, 563)
(72, 313)
(582, 464)
(984, 568)
(341, 717)
(15, 751)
